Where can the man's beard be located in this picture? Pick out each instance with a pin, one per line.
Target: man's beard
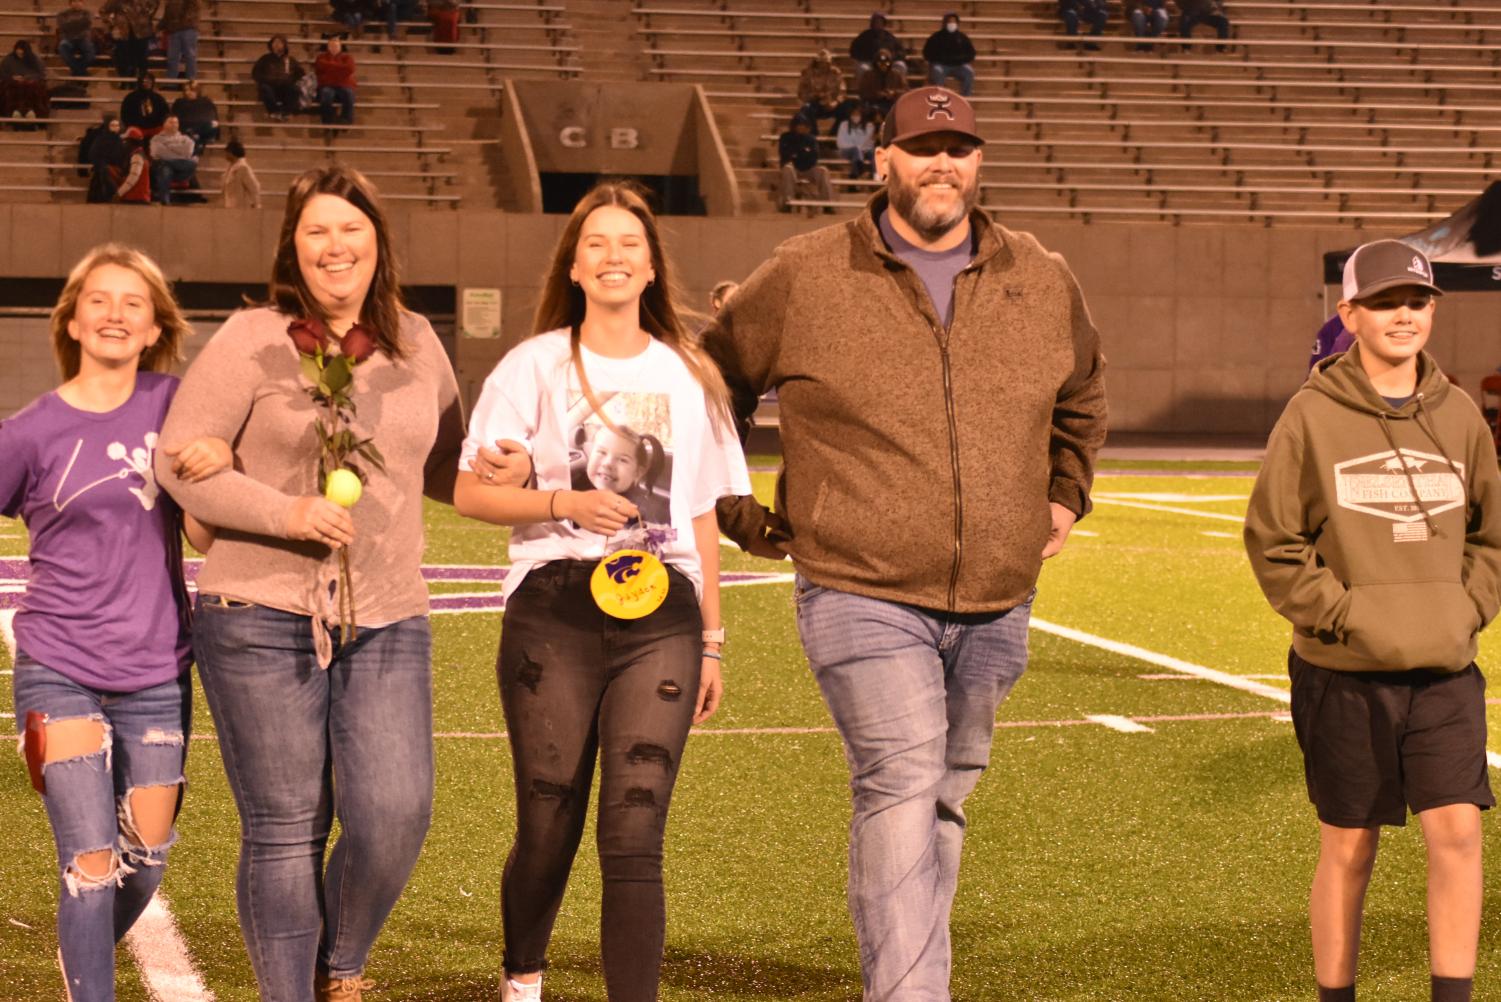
(905, 195)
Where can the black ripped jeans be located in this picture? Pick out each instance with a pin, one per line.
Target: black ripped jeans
(576, 683)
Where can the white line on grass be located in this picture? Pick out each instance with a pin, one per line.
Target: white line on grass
(1118, 723)
(1163, 661)
(1083, 532)
(7, 633)
(1169, 498)
(1241, 682)
(166, 968)
(1169, 508)
(1217, 534)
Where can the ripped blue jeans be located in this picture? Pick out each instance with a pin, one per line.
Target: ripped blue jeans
(88, 805)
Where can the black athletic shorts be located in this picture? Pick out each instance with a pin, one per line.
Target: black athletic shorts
(1376, 744)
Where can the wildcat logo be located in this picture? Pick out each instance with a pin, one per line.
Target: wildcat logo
(622, 569)
(1382, 483)
(1417, 267)
(938, 104)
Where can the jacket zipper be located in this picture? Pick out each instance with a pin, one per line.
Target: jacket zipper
(948, 403)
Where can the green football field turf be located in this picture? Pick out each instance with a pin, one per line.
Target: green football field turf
(1170, 863)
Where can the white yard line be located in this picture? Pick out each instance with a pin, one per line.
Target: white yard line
(1242, 682)
(1164, 661)
(1170, 508)
(7, 634)
(1083, 532)
(166, 967)
(1168, 498)
(1217, 534)
(1118, 723)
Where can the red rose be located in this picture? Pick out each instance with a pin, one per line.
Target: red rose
(358, 343)
(310, 336)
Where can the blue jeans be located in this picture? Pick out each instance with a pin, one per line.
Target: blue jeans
(861, 161)
(1148, 24)
(938, 74)
(302, 745)
(164, 172)
(88, 806)
(400, 10)
(914, 694)
(327, 96)
(78, 53)
(182, 50)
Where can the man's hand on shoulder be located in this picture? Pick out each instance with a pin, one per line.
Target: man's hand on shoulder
(1063, 524)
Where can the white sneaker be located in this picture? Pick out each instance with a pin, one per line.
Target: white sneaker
(515, 991)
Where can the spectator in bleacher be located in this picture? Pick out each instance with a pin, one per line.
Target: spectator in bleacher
(872, 40)
(75, 38)
(856, 141)
(950, 53)
(797, 153)
(1091, 12)
(821, 89)
(1148, 20)
(180, 22)
(197, 115)
(444, 14)
(133, 178)
(882, 84)
(144, 108)
(102, 149)
(1192, 13)
(242, 190)
(352, 14)
(276, 75)
(396, 11)
(172, 159)
(336, 83)
(131, 26)
(23, 83)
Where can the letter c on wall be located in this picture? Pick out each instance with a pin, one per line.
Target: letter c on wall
(573, 137)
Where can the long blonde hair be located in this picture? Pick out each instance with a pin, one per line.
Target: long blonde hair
(158, 357)
(562, 303)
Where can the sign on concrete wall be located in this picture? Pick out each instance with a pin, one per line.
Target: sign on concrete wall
(479, 314)
(617, 128)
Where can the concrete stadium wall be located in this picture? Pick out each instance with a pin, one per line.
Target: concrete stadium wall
(1207, 328)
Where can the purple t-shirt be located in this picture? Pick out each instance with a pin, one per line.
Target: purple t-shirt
(937, 269)
(105, 604)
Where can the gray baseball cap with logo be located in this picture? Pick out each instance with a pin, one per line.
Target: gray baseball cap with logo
(930, 109)
(1386, 264)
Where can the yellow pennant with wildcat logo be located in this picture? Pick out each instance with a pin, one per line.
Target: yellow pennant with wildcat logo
(629, 584)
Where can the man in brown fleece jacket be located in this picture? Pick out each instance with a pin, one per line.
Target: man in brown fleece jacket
(942, 399)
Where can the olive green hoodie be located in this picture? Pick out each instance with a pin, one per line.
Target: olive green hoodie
(1370, 579)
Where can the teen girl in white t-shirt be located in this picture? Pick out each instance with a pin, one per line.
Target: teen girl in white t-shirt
(628, 427)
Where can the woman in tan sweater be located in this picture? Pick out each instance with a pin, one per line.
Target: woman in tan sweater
(297, 699)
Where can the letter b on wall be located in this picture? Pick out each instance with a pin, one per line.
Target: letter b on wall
(624, 139)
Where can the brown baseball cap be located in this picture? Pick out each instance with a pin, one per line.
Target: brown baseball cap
(1386, 264)
(929, 109)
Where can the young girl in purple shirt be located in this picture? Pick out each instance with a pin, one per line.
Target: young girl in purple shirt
(101, 687)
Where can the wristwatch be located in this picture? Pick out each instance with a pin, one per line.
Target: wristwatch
(714, 636)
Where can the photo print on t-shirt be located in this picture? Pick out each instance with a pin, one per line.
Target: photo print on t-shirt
(626, 448)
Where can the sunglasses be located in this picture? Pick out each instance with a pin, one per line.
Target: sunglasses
(1416, 302)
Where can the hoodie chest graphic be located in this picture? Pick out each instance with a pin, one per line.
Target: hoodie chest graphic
(1382, 484)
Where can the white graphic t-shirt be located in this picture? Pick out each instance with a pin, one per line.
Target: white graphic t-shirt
(653, 442)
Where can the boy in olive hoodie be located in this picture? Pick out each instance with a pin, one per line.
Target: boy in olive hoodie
(1375, 528)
